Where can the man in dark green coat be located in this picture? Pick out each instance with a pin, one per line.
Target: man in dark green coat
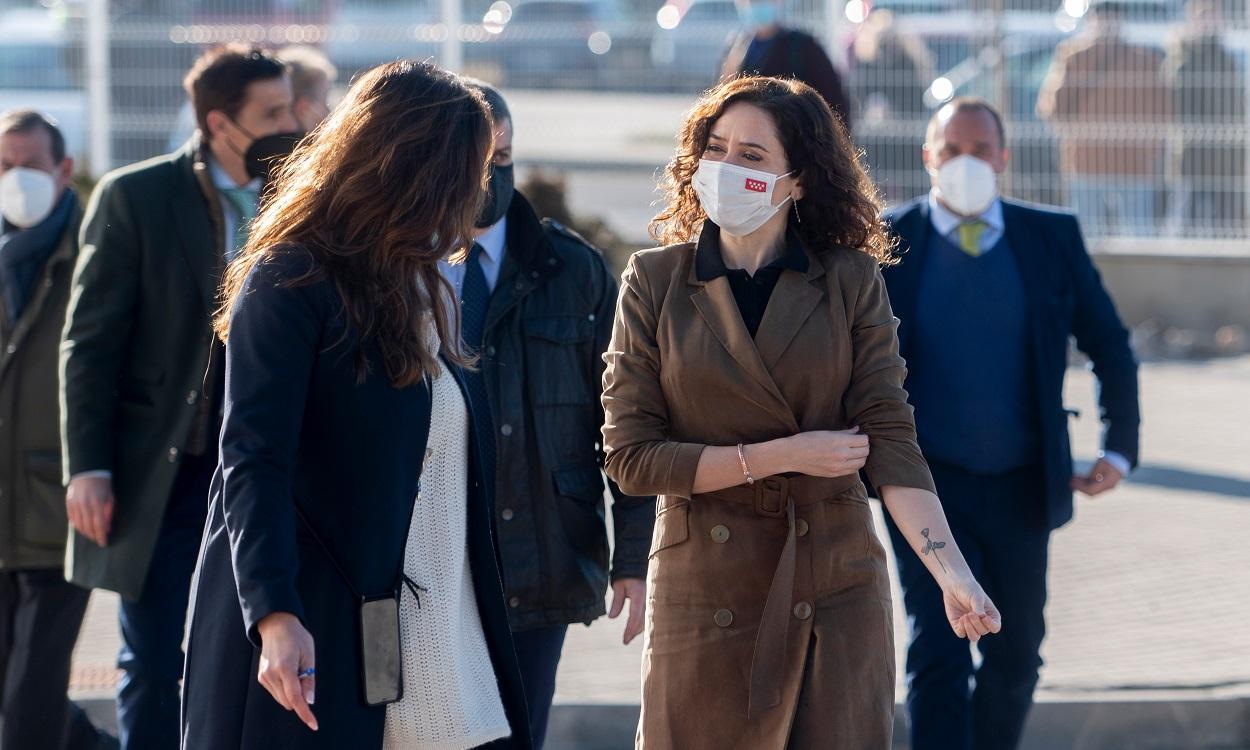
(40, 612)
(142, 379)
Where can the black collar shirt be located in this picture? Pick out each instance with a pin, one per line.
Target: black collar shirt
(750, 292)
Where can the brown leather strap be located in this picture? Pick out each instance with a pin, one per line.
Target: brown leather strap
(771, 494)
(769, 660)
(777, 497)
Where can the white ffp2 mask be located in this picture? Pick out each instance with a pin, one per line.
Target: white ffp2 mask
(27, 196)
(967, 184)
(736, 199)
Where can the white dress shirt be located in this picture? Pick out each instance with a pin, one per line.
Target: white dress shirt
(493, 245)
(947, 222)
(223, 181)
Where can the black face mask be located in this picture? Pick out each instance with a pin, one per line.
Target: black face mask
(498, 197)
(267, 152)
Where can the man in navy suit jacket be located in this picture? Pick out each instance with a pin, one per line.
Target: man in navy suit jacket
(988, 293)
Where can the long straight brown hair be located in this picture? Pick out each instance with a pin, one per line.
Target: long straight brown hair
(387, 186)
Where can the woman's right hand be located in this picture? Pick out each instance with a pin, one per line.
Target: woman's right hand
(826, 453)
(286, 649)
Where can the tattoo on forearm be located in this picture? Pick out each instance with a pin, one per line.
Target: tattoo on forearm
(932, 546)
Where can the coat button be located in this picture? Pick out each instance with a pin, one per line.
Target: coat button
(514, 602)
(723, 618)
(506, 430)
(800, 527)
(591, 317)
(192, 397)
(490, 351)
(720, 534)
(507, 514)
(173, 455)
(10, 348)
(803, 610)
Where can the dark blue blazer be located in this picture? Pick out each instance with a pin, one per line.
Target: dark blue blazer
(1065, 299)
(301, 431)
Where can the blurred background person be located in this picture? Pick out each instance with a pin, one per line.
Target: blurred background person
(890, 70)
(765, 47)
(1109, 106)
(311, 76)
(141, 393)
(40, 612)
(1208, 88)
(537, 304)
(312, 79)
(985, 336)
(349, 464)
(753, 371)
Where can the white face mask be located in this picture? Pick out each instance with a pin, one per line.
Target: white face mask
(27, 196)
(967, 185)
(736, 199)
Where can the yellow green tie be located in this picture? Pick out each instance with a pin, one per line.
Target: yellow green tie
(970, 236)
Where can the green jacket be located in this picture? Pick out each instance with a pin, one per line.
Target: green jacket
(135, 350)
(32, 500)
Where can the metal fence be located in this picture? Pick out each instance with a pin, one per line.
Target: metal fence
(1141, 128)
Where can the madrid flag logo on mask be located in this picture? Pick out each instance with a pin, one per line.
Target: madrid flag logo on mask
(736, 199)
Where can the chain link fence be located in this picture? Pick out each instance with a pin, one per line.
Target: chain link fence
(1139, 124)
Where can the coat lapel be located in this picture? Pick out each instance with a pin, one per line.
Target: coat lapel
(529, 259)
(715, 302)
(193, 217)
(794, 299)
(1029, 255)
(65, 252)
(913, 229)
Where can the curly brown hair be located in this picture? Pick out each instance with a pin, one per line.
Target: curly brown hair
(841, 206)
(381, 191)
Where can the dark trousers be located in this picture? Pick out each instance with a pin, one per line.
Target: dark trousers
(152, 628)
(538, 652)
(999, 522)
(40, 615)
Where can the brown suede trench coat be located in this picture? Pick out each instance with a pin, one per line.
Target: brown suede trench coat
(769, 620)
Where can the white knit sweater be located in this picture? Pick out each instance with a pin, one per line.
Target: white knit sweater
(451, 699)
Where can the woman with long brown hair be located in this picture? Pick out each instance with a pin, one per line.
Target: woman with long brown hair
(347, 593)
(753, 372)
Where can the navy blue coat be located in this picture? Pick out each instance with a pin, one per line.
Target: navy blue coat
(299, 430)
(1065, 299)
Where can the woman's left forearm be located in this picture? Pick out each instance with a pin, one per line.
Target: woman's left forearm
(918, 515)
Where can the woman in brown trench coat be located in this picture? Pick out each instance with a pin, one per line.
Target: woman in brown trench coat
(752, 373)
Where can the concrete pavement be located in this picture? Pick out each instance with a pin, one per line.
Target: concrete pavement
(1148, 644)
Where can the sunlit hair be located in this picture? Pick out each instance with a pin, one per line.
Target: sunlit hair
(841, 207)
(389, 184)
